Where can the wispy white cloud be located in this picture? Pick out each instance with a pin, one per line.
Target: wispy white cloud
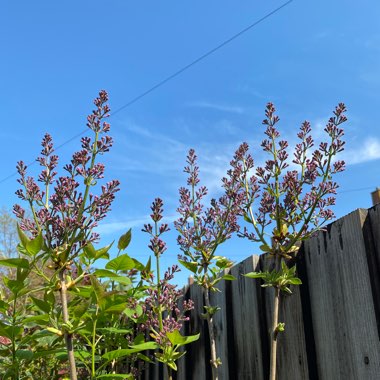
(217, 107)
(249, 89)
(148, 150)
(364, 151)
(123, 225)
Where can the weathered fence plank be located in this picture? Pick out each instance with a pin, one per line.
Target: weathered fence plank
(371, 232)
(332, 321)
(244, 306)
(344, 321)
(198, 352)
(292, 356)
(291, 352)
(221, 329)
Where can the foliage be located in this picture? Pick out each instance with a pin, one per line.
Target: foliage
(201, 232)
(164, 314)
(80, 321)
(62, 315)
(286, 206)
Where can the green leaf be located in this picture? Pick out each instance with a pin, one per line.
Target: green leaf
(140, 338)
(41, 354)
(172, 365)
(144, 358)
(34, 246)
(15, 263)
(228, 277)
(211, 310)
(22, 274)
(42, 305)
(80, 309)
(286, 289)
(93, 253)
(9, 331)
(265, 248)
(190, 265)
(138, 310)
(40, 320)
(148, 265)
(116, 376)
(23, 237)
(111, 355)
(123, 262)
(176, 339)
(13, 285)
(103, 252)
(247, 218)
(104, 273)
(124, 240)
(24, 354)
(118, 308)
(4, 306)
(255, 275)
(122, 280)
(280, 327)
(90, 251)
(222, 262)
(98, 290)
(295, 281)
(82, 291)
(114, 330)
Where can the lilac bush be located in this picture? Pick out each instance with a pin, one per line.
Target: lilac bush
(164, 314)
(64, 211)
(286, 203)
(201, 231)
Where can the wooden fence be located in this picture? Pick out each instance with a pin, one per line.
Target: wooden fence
(332, 321)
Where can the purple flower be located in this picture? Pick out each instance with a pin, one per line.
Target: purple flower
(64, 209)
(298, 199)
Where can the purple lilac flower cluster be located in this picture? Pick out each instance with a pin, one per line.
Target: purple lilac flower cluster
(168, 297)
(157, 245)
(68, 215)
(202, 230)
(297, 201)
(161, 307)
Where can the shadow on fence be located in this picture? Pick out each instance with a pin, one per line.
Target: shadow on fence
(332, 320)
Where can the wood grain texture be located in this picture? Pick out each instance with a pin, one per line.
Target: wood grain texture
(371, 231)
(344, 321)
(331, 322)
(221, 328)
(245, 309)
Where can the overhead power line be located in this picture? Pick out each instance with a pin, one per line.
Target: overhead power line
(172, 76)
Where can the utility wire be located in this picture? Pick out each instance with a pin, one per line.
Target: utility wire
(358, 189)
(170, 77)
(201, 58)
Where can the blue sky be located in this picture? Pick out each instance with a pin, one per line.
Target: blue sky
(305, 59)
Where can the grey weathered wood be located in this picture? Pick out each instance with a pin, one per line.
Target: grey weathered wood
(196, 354)
(343, 313)
(181, 364)
(220, 329)
(245, 309)
(331, 322)
(291, 352)
(292, 356)
(371, 233)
